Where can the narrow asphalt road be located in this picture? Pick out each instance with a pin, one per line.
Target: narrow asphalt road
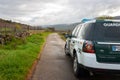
(54, 65)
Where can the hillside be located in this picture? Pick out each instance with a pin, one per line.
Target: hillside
(64, 27)
(12, 25)
(117, 17)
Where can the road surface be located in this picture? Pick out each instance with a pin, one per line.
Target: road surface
(54, 65)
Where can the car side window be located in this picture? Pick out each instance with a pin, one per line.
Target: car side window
(86, 32)
(81, 32)
(74, 31)
(78, 30)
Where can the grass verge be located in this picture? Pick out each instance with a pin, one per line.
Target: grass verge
(62, 36)
(15, 63)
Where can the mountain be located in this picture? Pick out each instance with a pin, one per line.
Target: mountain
(64, 27)
(117, 17)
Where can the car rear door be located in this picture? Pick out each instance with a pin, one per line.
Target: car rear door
(108, 52)
(107, 42)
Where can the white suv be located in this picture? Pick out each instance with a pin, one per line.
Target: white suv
(95, 47)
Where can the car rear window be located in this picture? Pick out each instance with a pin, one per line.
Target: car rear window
(107, 31)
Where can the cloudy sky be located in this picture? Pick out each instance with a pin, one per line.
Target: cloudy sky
(45, 12)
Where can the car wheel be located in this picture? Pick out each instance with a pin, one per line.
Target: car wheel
(78, 71)
(76, 67)
(66, 50)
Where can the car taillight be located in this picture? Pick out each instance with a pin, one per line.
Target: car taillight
(88, 47)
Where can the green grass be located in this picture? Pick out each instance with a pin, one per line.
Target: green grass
(62, 36)
(15, 63)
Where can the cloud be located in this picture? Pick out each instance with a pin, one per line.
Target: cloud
(43, 12)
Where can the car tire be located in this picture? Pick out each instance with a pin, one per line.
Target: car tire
(66, 50)
(78, 71)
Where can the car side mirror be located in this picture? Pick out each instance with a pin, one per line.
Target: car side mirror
(68, 35)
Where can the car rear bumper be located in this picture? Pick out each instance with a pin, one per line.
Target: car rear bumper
(89, 60)
(101, 71)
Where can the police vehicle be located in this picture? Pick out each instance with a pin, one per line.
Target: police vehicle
(95, 47)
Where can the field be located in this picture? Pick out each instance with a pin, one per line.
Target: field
(17, 57)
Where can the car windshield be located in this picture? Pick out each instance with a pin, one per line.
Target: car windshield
(107, 31)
